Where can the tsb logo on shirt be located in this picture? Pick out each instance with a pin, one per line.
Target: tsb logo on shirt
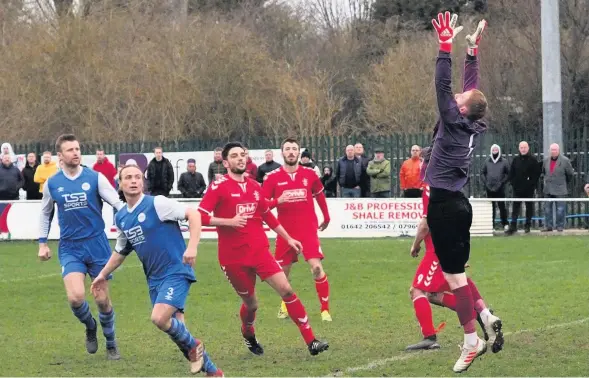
(75, 201)
(135, 235)
(246, 208)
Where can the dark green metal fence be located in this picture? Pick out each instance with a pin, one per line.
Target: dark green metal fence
(326, 150)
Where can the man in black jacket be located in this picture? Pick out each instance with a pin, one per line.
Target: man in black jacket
(191, 183)
(494, 175)
(160, 174)
(10, 179)
(348, 172)
(28, 173)
(268, 166)
(523, 174)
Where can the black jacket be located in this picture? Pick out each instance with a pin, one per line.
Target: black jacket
(495, 174)
(216, 168)
(163, 183)
(30, 186)
(266, 168)
(191, 185)
(340, 171)
(10, 182)
(524, 174)
(329, 185)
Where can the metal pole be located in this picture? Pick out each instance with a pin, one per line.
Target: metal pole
(551, 82)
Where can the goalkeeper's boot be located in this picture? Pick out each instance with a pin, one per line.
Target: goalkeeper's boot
(282, 312)
(196, 357)
(91, 340)
(430, 342)
(325, 316)
(112, 353)
(253, 345)
(468, 355)
(494, 328)
(317, 346)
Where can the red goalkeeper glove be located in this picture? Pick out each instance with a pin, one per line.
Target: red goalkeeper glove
(473, 39)
(446, 29)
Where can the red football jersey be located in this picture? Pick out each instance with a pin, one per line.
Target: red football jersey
(429, 244)
(297, 213)
(225, 198)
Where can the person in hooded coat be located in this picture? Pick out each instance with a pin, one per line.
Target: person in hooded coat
(494, 175)
(6, 149)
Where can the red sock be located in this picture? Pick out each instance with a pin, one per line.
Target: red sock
(479, 304)
(449, 300)
(423, 313)
(247, 320)
(298, 314)
(322, 287)
(465, 308)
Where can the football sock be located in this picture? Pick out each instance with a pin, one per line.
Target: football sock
(248, 319)
(84, 315)
(298, 314)
(322, 287)
(180, 335)
(107, 321)
(471, 339)
(465, 308)
(209, 366)
(485, 314)
(449, 300)
(479, 304)
(423, 312)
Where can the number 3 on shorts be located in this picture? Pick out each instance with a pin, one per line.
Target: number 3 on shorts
(170, 294)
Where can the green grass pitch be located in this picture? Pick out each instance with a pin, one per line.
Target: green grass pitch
(537, 285)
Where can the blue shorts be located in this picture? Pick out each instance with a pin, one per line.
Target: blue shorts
(87, 256)
(173, 291)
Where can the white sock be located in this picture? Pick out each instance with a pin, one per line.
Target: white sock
(471, 339)
(485, 314)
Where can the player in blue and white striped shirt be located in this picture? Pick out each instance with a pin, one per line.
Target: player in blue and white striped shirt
(149, 225)
(83, 245)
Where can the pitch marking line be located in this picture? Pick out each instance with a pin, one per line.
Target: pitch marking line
(51, 275)
(385, 361)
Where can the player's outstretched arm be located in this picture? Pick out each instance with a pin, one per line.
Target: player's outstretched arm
(471, 62)
(446, 29)
(194, 228)
(108, 193)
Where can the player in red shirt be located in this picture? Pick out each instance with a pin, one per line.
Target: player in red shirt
(430, 286)
(235, 204)
(292, 188)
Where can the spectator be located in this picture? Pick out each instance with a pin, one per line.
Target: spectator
(329, 183)
(216, 168)
(558, 175)
(10, 179)
(364, 178)
(45, 170)
(409, 175)
(307, 162)
(523, 176)
(28, 173)
(379, 170)
(251, 169)
(191, 183)
(348, 172)
(6, 149)
(104, 166)
(268, 166)
(160, 174)
(494, 175)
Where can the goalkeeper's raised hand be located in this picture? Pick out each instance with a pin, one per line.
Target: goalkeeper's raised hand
(446, 28)
(474, 39)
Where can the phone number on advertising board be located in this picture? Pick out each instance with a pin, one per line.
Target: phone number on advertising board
(385, 226)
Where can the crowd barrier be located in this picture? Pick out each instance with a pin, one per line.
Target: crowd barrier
(350, 218)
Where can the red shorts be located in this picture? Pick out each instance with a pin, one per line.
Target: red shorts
(242, 276)
(285, 255)
(429, 276)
